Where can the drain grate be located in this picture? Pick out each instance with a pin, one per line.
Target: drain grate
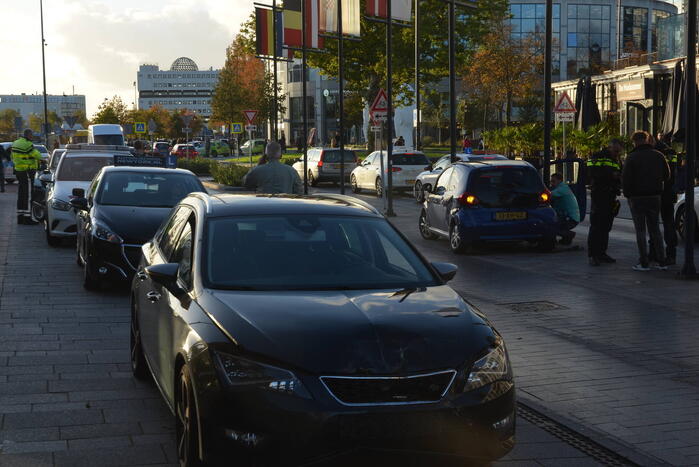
(595, 450)
(528, 307)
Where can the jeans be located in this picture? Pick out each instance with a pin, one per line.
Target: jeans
(667, 214)
(645, 211)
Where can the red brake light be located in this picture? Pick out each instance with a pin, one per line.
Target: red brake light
(468, 199)
(320, 163)
(545, 197)
(396, 169)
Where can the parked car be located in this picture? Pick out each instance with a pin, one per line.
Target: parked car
(406, 166)
(44, 152)
(324, 165)
(426, 179)
(278, 325)
(489, 201)
(256, 145)
(219, 148)
(121, 211)
(680, 214)
(185, 151)
(55, 158)
(161, 148)
(77, 168)
(7, 165)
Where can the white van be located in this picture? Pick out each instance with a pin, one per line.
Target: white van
(106, 134)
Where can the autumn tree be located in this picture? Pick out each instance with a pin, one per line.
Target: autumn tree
(111, 111)
(7, 123)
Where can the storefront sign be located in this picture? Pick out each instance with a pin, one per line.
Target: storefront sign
(631, 90)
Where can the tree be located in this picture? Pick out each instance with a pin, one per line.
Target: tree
(111, 111)
(435, 110)
(504, 69)
(176, 124)
(7, 123)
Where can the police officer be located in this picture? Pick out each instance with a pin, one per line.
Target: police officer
(26, 159)
(667, 204)
(605, 185)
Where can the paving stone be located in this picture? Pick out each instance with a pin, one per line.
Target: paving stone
(58, 418)
(122, 456)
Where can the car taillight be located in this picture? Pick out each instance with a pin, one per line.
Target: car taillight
(545, 197)
(467, 199)
(396, 169)
(320, 164)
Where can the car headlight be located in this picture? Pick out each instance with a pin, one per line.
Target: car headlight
(103, 232)
(240, 372)
(487, 370)
(60, 205)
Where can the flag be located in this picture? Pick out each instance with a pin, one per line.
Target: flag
(264, 24)
(401, 10)
(350, 17)
(292, 24)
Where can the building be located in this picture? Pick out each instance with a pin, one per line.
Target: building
(183, 86)
(591, 36)
(27, 104)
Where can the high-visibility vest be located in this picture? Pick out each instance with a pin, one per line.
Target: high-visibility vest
(24, 155)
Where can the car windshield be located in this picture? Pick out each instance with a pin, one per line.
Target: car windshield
(331, 156)
(154, 190)
(306, 252)
(116, 140)
(410, 159)
(81, 169)
(184, 147)
(506, 187)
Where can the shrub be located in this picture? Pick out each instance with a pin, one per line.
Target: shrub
(228, 174)
(427, 141)
(199, 166)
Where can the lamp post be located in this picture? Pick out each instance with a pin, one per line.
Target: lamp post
(689, 269)
(43, 67)
(547, 91)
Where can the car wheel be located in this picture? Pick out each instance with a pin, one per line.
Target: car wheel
(547, 244)
(50, 239)
(456, 241)
(425, 227)
(311, 179)
(419, 192)
(353, 184)
(681, 223)
(379, 187)
(90, 282)
(186, 421)
(138, 360)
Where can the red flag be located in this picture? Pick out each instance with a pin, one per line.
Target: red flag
(292, 24)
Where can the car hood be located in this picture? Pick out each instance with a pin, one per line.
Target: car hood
(136, 225)
(354, 332)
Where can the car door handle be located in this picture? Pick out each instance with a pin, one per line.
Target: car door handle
(153, 296)
(142, 276)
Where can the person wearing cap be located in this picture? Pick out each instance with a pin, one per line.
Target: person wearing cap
(26, 159)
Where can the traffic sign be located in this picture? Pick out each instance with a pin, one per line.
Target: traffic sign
(71, 120)
(250, 128)
(565, 104)
(187, 119)
(139, 128)
(236, 128)
(376, 128)
(128, 128)
(565, 117)
(250, 115)
(379, 108)
(186, 130)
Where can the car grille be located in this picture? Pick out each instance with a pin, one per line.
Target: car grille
(417, 389)
(133, 255)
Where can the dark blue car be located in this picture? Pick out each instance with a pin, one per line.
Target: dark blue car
(489, 201)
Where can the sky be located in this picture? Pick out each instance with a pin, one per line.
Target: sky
(98, 45)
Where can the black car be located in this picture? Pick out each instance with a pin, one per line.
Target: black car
(122, 210)
(278, 324)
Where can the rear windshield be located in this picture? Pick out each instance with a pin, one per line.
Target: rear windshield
(117, 140)
(506, 187)
(81, 169)
(334, 156)
(183, 147)
(161, 146)
(410, 159)
(146, 189)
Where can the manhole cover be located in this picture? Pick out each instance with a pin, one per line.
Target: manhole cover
(534, 306)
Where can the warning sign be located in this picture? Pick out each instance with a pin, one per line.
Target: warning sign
(565, 104)
(379, 108)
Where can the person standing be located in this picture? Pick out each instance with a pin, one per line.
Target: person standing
(605, 185)
(282, 142)
(567, 209)
(26, 159)
(644, 177)
(4, 157)
(667, 205)
(273, 177)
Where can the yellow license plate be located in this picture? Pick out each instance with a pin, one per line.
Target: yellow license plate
(510, 216)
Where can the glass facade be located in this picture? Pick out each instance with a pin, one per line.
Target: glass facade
(670, 37)
(657, 16)
(530, 18)
(635, 30)
(589, 39)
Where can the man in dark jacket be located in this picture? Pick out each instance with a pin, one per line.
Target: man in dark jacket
(667, 205)
(605, 185)
(644, 177)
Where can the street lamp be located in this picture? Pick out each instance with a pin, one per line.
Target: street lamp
(547, 91)
(43, 67)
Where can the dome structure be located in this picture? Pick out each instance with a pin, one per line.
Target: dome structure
(184, 64)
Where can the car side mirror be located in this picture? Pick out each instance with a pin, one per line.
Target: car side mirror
(447, 271)
(46, 178)
(439, 191)
(166, 275)
(429, 168)
(78, 193)
(79, 203)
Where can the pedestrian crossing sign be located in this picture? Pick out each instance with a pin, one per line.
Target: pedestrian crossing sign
(236, 128)
(139, 127)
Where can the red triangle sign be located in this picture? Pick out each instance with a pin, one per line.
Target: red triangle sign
(380, 103)
(250, 115)
(565, 104)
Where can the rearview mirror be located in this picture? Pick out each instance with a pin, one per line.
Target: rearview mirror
(78, 192)
(79, 203)
(166, 275)
(46, 178)
(429, 168)
(447, 271)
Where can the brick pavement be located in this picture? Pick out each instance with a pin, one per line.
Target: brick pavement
(67, 397)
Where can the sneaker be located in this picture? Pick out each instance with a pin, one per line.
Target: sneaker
(605, 258)
(660, 266)
(641, 267)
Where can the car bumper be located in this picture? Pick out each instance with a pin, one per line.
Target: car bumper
(113, 262)
(479, 225)
(61, 223)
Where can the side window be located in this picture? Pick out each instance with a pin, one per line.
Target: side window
(93, 188)
(442, 163)
(370, 159)
(172, 230)
(182, 254)
(455, 180)
(444, 181)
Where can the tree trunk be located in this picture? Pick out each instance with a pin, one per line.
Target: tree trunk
(508, 110)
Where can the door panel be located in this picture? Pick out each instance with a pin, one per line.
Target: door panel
(436, 213)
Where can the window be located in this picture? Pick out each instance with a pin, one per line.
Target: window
(182, 254)
(146, 189)
(506, 187)
(81, 169)
(443, 181)
(530, 18)
(171, 231)
(588, 39)
(635, 30)
(443, 163)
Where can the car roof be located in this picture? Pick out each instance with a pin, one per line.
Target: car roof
(262, 204)
(494, 163)
(127, 168)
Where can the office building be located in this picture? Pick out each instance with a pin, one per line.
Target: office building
(27, 104)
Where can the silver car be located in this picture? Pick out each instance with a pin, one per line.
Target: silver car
(680, 217)
(7, 165)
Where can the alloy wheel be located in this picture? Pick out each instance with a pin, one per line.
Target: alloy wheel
(353, 184)
(418, 192)
(424, 227)
(379, 188)
(184, 421)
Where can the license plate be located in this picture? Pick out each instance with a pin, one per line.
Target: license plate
(410, 182)
(336, 166)
(510, 216)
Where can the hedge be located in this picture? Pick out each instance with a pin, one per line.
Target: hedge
(199, 166)
(228, 174)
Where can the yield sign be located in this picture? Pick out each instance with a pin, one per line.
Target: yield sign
(250, 115)
(564, 104)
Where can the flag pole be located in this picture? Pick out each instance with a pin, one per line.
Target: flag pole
(452, 79)
(275, 106)
(389, 116)
(416, 142)
(341, 89)
(304, 106)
